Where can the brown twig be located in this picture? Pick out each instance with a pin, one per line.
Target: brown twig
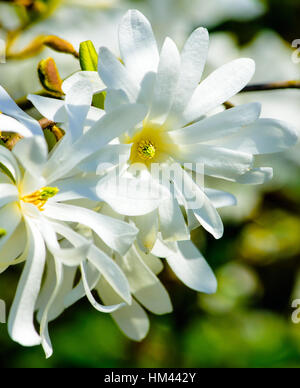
(272, 86)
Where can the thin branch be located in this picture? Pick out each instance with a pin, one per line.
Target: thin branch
(272, 86)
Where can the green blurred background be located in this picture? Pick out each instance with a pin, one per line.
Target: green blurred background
(248, 322)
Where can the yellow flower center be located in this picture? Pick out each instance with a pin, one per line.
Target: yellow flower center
(2, 232)
(40, 197)
(146, 149)
(151, 144)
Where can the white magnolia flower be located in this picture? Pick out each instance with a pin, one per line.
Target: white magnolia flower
(167, 16)
(141, 271)
(177, 128)
(37, 211)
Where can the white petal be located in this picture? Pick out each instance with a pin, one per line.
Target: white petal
(51, 108)
(78, 292)
(58, 306)
(49, 285)
(108, 157)
(116, 234)
(9, 124)
(132, 320)
(10, 163)
(115, 75)
(203, 208)
(166, 81)
(10, 108)
(216, 161)
(78, 102)
(32, 154)
(75, 188)
(220, 198)
(92, 300)
(262, 137)
(153, 262)
(144, 284)
(172, 223)
(46, 342)
(138, 46)
(256, 176)
(192, 269)
(10, 218)
(14, 246)
(8, 193)
(21, 317)
(148, 229)
(131, 196)
(215, 127)
(89, 77)
(147, 88)
(104, 264)
(221, 85)
(68, 256)
(109, 127)
(115, 98)
(193, 59)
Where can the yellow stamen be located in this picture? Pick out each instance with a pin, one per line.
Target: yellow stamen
(40, 197)
(146, 149)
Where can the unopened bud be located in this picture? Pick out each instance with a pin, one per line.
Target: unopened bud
(49, 76)
(88, 56)
(60, 45)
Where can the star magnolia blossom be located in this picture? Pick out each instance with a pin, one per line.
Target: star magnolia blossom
(141, 271)
(177, 128)
(36, 224)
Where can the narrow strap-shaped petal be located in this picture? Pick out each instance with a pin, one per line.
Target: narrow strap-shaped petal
(216, 161)
(10, 108)
(188, 264)
(44, 329)
(109, 127)
(220, 198)
(115, 75)
(193, 59)
(144, 284)
(10, 164)
(9, 124)
(218, 87)
(166, 81)
(118, 235)
(51, 108)
(21, 320)
(264, 136)
(202, 207)
(32, 153)
(104, 264)
(172, 223)
(8, 193)
(78, 102)
(10, 218)
(148, 230)
(132, 320)
(92, 300)
(218, 126)
(138, 46)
